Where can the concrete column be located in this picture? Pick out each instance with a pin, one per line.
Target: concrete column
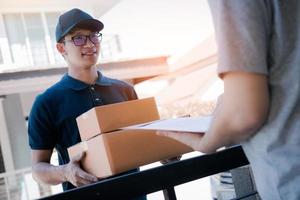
(17, 129)
(4, 140)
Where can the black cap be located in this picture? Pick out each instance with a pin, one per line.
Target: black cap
(75, 18)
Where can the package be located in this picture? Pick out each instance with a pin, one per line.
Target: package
(115, 152)
(107, 118)
(109, 150)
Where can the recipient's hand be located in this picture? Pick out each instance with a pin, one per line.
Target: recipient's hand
(190, 139)
(75, 175)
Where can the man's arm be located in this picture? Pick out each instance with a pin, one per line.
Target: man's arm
(241, 111)
(47, 173)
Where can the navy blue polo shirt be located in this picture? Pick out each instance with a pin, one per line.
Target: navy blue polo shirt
(52, 121)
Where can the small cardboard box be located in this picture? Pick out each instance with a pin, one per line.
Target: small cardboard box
(119, 151)
(107, 118)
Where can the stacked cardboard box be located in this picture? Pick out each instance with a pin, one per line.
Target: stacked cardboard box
(109, 150)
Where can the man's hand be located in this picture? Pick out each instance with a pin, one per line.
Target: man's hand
(75, 175)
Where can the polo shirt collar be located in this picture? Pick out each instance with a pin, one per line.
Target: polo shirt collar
(76, 84)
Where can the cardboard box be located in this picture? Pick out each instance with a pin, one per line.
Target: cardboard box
(110, 151)
(119, 151)
(107, 118)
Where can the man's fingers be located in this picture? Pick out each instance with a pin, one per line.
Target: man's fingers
(86, 176)
(81, 181)
(83, 178)
(78, 157)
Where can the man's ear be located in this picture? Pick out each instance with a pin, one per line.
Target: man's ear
(61, 48)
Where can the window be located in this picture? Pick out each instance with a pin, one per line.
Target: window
(36, 37)
(31, 38)
(51, 20)
(16, 37)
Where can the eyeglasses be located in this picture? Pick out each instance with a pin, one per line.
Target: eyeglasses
(80, 40)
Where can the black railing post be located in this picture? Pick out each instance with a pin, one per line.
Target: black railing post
(169, 193)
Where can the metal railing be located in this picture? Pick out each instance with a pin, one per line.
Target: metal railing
(19, 185)
(160, 178)
(13, 185)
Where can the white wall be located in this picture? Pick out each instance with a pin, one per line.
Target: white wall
(155, 27)
(27, 99)
(146, 27)
(97, 7)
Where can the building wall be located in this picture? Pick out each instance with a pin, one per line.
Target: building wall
(27, 99)
(16, 127)
(27, 31)
(97, 7)
(156, 27)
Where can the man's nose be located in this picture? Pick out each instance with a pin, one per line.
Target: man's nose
(89, 43)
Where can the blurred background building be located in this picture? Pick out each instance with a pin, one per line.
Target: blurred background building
(164, 48)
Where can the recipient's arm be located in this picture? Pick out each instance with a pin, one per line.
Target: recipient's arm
(242, 110)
